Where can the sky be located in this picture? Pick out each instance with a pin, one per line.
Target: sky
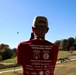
(17, 16)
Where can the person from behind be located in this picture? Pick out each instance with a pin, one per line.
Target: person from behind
(38, 56)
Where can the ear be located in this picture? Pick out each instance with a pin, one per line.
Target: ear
(33, 29)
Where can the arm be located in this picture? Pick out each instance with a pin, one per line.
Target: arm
(32, 36)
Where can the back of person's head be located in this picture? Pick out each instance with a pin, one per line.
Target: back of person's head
(40, 21)
(40, 26)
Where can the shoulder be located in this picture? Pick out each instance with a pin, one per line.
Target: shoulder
(24, 43)
(50, 42)
(53, 44)
(56, 48)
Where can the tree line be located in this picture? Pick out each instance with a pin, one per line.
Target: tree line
(6, 52)
(67, 44)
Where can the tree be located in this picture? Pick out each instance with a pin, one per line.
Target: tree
(65, 44)
(5, 51)
(7, 54)
(1, 57)
(71, 41)
(3, 47)
(14, 50)
(74, 44)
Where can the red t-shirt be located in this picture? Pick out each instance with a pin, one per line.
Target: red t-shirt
(37, 57)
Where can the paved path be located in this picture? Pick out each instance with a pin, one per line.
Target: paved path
(10, 70)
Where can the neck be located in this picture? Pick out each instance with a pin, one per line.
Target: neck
(39, 38)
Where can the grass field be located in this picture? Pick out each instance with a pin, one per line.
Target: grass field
(12, 60)
(68, 68)
(65, 53)
(60, 55)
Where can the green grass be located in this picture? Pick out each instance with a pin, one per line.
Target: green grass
(11, 60)
(64, 53)
(60, 55)
(68, 68)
